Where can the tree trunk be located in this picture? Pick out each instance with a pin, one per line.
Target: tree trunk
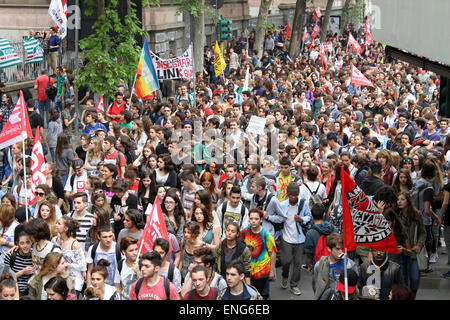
(260, 26)
(344, 15)
(326, 20)
(199, 35)
(297, 29)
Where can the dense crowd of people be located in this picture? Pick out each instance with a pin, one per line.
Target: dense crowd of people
(236, 204)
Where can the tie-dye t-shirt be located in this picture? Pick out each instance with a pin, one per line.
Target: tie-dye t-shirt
(261, 248)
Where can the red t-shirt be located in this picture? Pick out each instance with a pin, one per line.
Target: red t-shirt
(112, 158)
(134, 188)
(210, 296)
(114, 109)
(155, 292)
(42, 83)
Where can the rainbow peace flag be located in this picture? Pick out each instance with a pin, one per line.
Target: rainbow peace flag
(147, 79)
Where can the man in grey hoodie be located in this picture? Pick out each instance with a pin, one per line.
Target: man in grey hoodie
(319, 228)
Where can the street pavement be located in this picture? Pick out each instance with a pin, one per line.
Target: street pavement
(432, 285)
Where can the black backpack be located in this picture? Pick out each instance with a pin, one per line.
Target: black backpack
(141, 280)
(118, 254)
(224, 209)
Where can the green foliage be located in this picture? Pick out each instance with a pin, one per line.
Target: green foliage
(112, 51)
(194, 7)
(267, 26)
(355, 12)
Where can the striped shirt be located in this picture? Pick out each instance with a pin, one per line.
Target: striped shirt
(188, 198)
(85, 224)
(20, 263)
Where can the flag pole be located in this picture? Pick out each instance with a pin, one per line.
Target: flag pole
(132, 90)
(25, 172)
(345, 275)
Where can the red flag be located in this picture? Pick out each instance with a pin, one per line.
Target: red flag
(369, 39)
(313, 43)
(316, 31)
(305, 35)
(38, 168)
(363, 223)
(154, 228)
(100, 105)
(359, 79)
(317, 14)
(288, 31)
(322, 57)
(355, 45)
(18, 126)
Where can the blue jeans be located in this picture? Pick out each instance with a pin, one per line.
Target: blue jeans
(53, 154)
(410, 272)
(64, 180)
(44, 106)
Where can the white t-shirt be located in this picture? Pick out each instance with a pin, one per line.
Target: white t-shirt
(8, 234)
(306, 194)
(290, 232)
(160, 179)
(79, 184)
(110, 255)
(127, 278)
(232, 214)
(22, 194)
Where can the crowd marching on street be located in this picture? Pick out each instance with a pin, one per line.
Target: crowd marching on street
(236, 203)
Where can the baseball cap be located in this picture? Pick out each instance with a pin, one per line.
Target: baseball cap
(352, 280)
(370, 292)
(292, 189)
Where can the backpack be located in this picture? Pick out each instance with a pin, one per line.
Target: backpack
(417, 194)
(305, 227)
(321, 248)
(121, 262)
(315, 198)
(50, 91)
(118, 254)
(117, 158)
(141, 280)
(191, 293)
(224, 209)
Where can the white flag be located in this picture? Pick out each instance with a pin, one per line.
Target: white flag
(56, 11)
(247, 78)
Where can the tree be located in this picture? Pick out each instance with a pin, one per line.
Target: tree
(326, 20)
(261, 26)
(111, 52)
(297, 28)
(345, 14)
(197, 9)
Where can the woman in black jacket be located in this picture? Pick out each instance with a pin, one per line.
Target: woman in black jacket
(165, 174)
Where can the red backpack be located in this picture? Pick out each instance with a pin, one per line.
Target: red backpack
(321, 248)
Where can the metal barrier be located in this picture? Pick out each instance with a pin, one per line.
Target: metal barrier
(31, 71)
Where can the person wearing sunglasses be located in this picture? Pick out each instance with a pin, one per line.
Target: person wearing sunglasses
(43, 193)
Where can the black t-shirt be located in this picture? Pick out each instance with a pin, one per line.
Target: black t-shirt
(238, 297)
(447, 213)
(35, 119)
(81, 153)
(116, 206)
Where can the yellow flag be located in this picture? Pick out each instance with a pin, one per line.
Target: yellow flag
(219, 61)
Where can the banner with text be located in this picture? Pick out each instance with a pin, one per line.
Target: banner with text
(175, 68)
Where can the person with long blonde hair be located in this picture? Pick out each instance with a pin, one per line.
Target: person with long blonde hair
(93, 156)
(139, 135)
(54, 265)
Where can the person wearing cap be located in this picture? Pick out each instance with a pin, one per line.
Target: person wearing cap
(292, 242)
(332, 139)
(369, 292)
(54, 43)
(352, 289)
(380, 272)
(328, 269)
(116, 107)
